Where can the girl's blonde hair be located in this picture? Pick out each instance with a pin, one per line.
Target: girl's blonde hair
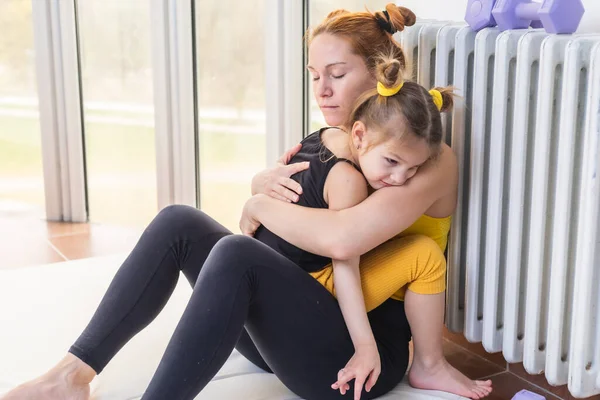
(410, 110)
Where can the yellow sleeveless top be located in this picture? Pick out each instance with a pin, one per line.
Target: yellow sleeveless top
(435, 228)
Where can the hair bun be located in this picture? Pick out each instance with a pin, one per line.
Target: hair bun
(409, 17)
(395, 18)
(383, 20)
(388, 71)
(447, 98)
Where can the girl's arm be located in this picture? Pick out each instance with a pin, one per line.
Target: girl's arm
(346, 281)
(346, 187)
(354, 231)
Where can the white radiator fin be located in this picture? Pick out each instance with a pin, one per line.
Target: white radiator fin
(584, 378)
(444, 69)
(409, 39)
(464, 50)
(483, 89)
(499, 162)
(427, 53)
(544, 191)
(520, 198)
(566, 207)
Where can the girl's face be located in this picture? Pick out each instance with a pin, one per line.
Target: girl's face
(339, 76)
(389, 163)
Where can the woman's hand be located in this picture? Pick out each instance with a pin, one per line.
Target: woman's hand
(365, 363)
(276, 181)
(248, 223)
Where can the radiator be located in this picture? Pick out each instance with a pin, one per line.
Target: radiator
(523, 255)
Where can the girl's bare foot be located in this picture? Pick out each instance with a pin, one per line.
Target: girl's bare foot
(443, 376)
(69, 380)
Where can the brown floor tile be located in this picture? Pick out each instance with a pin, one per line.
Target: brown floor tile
(569, 397)
(23, 241)
(506, 385)
(22, 251)
(26, 226)
(470, 364)
(99, 240)
(477, 348)
(539, 380)
(54, 229)
(27, 239)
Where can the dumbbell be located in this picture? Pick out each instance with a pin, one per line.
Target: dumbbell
(479, 15)
(556, 16)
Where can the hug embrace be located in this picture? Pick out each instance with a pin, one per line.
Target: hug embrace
(341, 262)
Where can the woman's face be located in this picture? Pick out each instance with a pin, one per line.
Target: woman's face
(339, 77)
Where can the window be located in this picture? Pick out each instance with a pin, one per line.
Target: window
(231, 103)
(117, 86)
(21, 172)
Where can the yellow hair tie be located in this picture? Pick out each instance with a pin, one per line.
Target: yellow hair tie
(438, 100)
(384, 91)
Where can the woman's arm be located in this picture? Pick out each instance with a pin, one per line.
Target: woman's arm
(276, 181)
(354, 231)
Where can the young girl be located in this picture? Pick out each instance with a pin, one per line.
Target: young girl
(390, 133)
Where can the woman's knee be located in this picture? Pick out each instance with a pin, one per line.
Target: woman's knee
(173, 217)
(184, 220)
(236, 245)
(176, 213)
(176, 210)
(234, 252)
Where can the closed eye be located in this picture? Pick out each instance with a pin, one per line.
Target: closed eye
(391, 161)
(338, 76)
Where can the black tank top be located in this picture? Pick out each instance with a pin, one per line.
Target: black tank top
(312, 181)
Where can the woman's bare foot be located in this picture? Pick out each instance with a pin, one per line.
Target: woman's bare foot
(68, 380)
(443, 376)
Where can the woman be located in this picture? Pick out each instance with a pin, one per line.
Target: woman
(245, 294)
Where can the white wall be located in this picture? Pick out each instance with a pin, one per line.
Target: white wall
(454, 10)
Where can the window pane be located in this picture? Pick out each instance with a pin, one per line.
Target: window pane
(318, 10)
(231, 95)
(118, 110)
(21, 172)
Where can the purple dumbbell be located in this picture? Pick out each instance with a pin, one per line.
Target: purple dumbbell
(527, 395)
(479, 14)
(557, 16)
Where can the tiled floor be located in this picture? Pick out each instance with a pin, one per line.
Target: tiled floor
(28, 240)
(508, 379)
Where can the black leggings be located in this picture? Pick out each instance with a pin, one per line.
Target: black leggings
(293, 325)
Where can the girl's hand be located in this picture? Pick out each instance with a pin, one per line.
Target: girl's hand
(365, 363)
(276, 181)
(248, 223)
